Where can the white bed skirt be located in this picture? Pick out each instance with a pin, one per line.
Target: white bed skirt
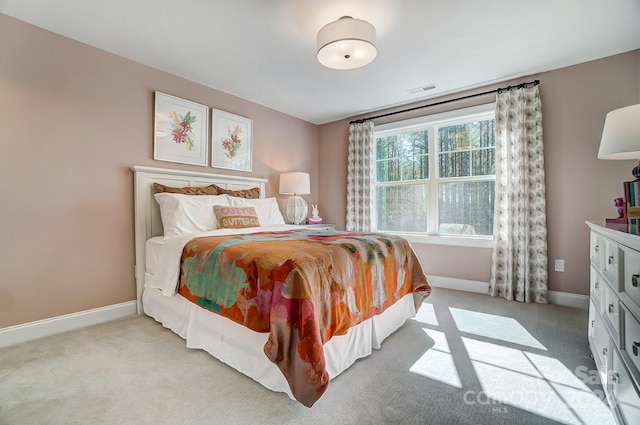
(242, 348)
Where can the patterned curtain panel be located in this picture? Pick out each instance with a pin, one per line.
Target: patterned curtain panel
(519, 263)
(359, 177)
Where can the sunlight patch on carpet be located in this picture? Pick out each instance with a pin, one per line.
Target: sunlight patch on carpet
(426, 314)
(437, 363)
(493, 326)
(536, 383)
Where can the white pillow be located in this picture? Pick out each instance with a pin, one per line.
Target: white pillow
(267, 209)
(188, 213)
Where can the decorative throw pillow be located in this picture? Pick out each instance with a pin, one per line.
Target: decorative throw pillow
(236, 217)
(212, 189)
(267, 209)
(253, 193)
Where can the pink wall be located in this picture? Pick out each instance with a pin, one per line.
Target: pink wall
(74, 119)
(580, 187)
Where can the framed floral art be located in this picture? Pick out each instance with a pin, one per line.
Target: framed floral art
(231, 141)
(181, 130)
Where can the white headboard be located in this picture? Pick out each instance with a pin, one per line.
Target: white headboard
(147, 219)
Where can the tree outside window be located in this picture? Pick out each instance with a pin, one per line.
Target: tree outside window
(458, 198)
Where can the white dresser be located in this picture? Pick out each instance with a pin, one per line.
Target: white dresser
(614, 317)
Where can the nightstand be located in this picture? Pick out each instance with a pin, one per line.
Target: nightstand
(323, 226)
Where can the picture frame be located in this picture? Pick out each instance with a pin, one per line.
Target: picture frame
(181, 130)
(231, 141)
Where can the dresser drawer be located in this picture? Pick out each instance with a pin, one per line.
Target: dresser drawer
(630, 342)
(631, 276)
(624, 392)
(599, 340)
(613, 264)
(597, 287)
(597, 250)
(611, 313)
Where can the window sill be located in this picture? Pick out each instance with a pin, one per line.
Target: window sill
(473, 242)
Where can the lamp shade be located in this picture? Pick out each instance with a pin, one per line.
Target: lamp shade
(621, 134)
(347, 43)
(295, 183)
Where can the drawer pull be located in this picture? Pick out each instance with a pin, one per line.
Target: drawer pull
(635, 347)
(610, 308)
(597, 249)
(604, 352)
(593, 323)
(614, 377)
(635, 280)
(611, 258)
(596, 286)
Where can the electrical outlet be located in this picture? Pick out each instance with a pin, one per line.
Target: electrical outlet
(559, 265)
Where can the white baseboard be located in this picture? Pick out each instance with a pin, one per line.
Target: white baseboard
(459, 284)
(568, 299)
(558, 298)
(41, 328)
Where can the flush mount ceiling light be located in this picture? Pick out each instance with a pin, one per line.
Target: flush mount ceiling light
(347, 43)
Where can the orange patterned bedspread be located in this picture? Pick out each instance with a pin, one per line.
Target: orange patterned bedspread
(302, 287)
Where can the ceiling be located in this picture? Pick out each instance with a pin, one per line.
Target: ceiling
(264, 50)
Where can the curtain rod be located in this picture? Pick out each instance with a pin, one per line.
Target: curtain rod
(499, 90)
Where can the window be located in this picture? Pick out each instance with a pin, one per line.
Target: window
(436, 175)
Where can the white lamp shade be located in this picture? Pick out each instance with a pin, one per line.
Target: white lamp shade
(621, 134)
(347, 43)
(295, 183)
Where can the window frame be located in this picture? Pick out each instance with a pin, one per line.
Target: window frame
(431, 123)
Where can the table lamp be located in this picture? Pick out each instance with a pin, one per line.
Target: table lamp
(295, 208)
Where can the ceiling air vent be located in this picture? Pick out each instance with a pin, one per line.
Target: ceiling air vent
(422, 89)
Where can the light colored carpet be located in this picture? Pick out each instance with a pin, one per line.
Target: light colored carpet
(467, 359)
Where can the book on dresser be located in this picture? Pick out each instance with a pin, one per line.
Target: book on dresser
(614, 316)
(631, 191)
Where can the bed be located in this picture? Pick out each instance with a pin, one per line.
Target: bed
(271, 349)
